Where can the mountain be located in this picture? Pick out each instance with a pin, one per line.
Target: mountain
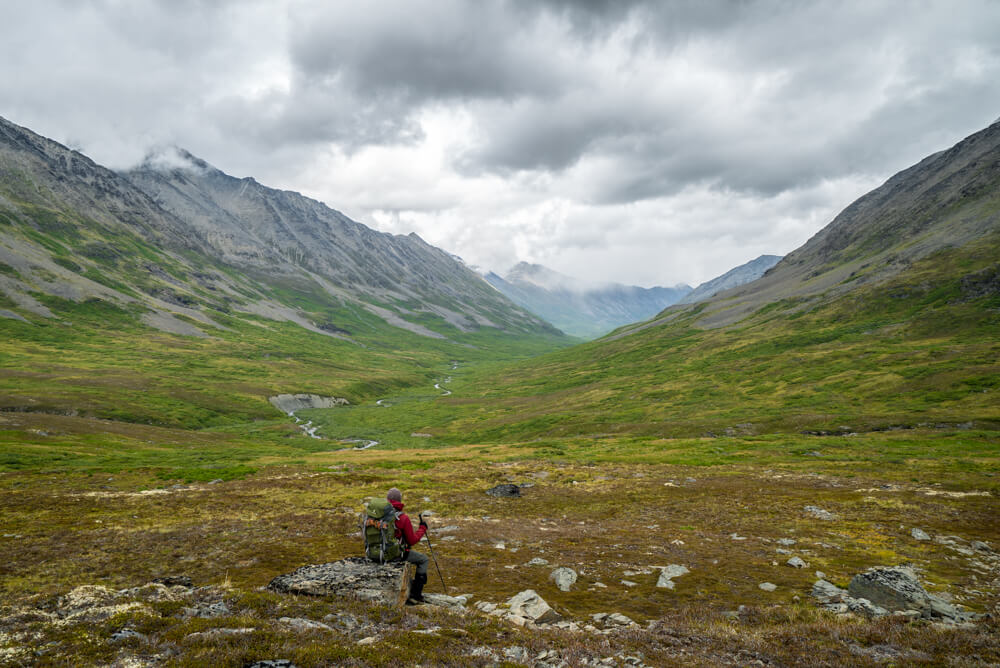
(578, 308)
(185, 206)
(284, 234)
(174, 277)
(745, 273)
(886, 319)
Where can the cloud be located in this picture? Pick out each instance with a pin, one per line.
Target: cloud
(626, 140)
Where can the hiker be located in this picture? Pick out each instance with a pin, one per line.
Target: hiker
(381, 547)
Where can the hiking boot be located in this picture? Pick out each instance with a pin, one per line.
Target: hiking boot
(417, 590)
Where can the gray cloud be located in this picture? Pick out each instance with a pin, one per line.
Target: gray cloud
(545, 126)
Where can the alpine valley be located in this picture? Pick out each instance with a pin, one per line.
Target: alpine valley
(744, 477)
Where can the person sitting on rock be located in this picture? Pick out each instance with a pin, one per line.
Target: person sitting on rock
(408, 538)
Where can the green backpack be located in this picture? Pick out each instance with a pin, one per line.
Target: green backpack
(378, 527)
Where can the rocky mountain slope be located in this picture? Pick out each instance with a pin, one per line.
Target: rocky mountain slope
(948, 200)
(578, 308)
(745, 273)
(184, 239)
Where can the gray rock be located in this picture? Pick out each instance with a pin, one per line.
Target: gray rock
(127, 634)
(667, 575)
(819, 513)
(782, 550)
(796, 562)
(981, 546)
(767, 586)
(538, 561)
(827, 592)
(564, 578)
(354, 577)
(919, 534)
(786, 541)
(443, 601)
(517, 653)
(505, 490)
(863, 606)
(302, 624)
(899, 589)
(273, 663)
(174, 581)
(529, 605)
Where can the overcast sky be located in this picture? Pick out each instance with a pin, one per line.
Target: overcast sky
(648, 143)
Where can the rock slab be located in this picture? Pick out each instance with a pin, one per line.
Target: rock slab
(354, 577)
(529, 605)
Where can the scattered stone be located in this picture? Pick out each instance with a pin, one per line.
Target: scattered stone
(629, 583)
(782, 550)
(820, 575)
(215, 482)
(505, 490)
(501, 546)
(767, 586)
(516, 653)
(529, 605)
(441, 600)
(370, 640)
(919, 534)
(126, 634)
(796, 562)
(667, 575)
(819, 513)
(302, 624)
(450, 527)
(564, 578)
(736, 536)
(273, 663)
(538, 561)
(786, 541)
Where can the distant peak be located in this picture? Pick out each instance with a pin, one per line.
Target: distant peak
(171, 158)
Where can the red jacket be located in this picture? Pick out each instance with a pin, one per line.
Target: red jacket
(404, 527)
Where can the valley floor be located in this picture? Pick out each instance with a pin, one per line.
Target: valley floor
(614, 522)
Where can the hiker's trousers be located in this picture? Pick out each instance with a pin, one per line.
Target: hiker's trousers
(419, 559)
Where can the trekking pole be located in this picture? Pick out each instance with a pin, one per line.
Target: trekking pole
(429, 547)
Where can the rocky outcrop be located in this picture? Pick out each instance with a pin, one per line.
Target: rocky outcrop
(882, 591)
(354, 577)
(667, 575)
(289, 403)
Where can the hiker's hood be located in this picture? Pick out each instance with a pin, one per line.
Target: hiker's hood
(398, 505)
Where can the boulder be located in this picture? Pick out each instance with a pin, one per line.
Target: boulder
(768, 586)
(668, 574)
(796, 562)
(505, 490)
(919, 534)
(899, 589)
(529, 605)
(819, 513)
(354, 577)
(564, 578)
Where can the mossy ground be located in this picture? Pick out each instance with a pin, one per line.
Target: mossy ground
(623, 506)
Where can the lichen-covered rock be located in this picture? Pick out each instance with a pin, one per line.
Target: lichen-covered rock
(667, 575)
(899, 589)
(354, 577)
(564, 578)
(530, 606)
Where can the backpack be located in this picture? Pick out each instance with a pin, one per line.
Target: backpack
(378, 528)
